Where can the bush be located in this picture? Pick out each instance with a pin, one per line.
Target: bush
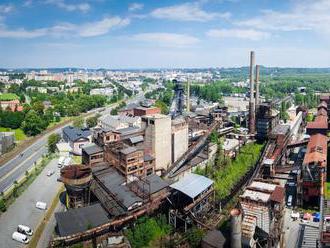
(147, 230)
(3, 207)
(194, 236)
(53, 139)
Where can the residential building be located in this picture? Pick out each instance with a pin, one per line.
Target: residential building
(118, 121)
(12, 105)
(76, 138)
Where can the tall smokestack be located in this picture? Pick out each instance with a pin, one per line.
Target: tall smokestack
(236, 228)
(188, 96)
(257, 85)
(252, 116)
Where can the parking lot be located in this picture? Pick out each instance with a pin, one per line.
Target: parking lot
(23, 210)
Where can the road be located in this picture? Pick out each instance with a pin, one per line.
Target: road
(16, 168)
(23, 210)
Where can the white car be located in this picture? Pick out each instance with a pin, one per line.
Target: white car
(41, 205)
(20, 237)
(50, 173)
(25, 230)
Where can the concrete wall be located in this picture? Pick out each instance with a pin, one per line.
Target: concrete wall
(179, 141)
(158, 139)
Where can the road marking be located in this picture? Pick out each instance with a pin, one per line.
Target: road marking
(17, 167)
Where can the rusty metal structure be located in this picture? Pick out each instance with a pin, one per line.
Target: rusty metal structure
(77, 180)
(252, 112)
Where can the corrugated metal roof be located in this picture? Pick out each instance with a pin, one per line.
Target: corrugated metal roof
(136, 139)
(192, 184)
(316, 149)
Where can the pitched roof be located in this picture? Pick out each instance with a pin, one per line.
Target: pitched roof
(192, 184)
(136, 139)
(320, 122)
(278, 194)
(92, 149)
(74, 133)
(316, 150)
(80, 219)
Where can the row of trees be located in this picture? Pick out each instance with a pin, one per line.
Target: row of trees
(227, 175)
(36, 117)
(214, 91)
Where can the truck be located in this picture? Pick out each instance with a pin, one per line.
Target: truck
(22, 238)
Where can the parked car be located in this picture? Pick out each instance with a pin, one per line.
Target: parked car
(60, 162)
(50, 173)
(25, 230)
(22, 238)
(41, 205)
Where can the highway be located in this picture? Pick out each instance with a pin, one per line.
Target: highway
(16, 168)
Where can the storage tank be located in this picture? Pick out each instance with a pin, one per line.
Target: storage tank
(76, 179)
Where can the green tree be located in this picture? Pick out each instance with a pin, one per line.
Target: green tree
(38, 107)
(53, 139)
(3, 207)
(78, 122)
(163, 107)
(33, 124)
(91, 121)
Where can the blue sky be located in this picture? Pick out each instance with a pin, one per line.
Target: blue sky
(163, 33)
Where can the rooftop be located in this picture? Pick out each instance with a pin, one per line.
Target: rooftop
(316, 149)
(192, 184)
(115, 183)
(92, 149)
(80, 219)
(256, 195)
(128, 150)
(74, 133)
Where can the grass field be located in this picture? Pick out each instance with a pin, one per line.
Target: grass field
(8, 97)
(19, 134)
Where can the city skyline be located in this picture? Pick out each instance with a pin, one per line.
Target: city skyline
(164, 34)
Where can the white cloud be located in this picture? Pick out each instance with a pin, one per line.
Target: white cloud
(6, 8)
(135, 6)
(249, 34)
(89, 29)
(21, 33)
(167, 39)
(102, 27)
(308, 15)
(187, 12)
(83, 7)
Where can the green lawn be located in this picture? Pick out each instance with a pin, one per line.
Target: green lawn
(327, 190)
(19, 134)
(8, 97)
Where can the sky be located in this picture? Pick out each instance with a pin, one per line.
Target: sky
(124, 34)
